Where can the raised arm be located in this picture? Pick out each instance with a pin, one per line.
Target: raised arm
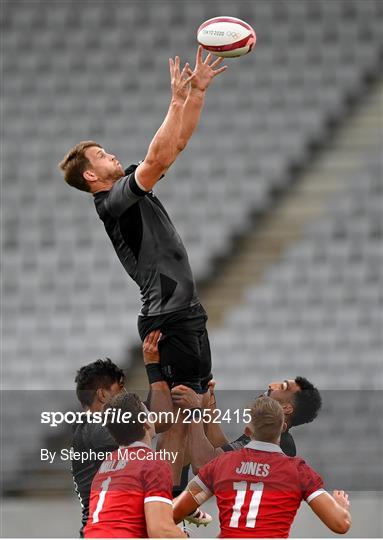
(201, 450)
(160, 400)
(214, 431)
(188, 93)
(333, 510)
(165, 145)
(202, 76)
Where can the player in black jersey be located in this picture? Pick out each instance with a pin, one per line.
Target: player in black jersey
(300, 401)
(96, 383)
(144, 237)
(142, 233)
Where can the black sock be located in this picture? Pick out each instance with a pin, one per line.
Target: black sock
(177, 490)
(185, 476)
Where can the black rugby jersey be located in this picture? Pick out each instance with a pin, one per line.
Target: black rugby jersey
(88, 436)
(287, 444)
(148, 246)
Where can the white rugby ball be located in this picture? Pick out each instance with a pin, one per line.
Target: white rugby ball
(226, 36)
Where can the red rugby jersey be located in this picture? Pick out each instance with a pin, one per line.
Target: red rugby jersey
(259, 490)
(120, 489)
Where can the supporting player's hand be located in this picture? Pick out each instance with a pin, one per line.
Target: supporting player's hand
(150, 348)
(211, 385)
(204, 71)
(341, 498)
(185, 398)
(180, 80)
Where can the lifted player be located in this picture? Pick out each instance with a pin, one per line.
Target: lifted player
(142, 233)
(258, 488)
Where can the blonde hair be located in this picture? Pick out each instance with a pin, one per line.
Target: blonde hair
(267, 419)
(75, 163)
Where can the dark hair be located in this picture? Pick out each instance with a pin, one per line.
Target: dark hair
(125, 433)
(267, 419)
(75, 163)
(99, 374)
(307, 402)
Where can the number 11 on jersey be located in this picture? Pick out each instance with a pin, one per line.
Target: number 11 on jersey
(241, 490)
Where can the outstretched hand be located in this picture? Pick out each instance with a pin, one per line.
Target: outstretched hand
(204, 71)
(179, 79)
(211, 386)
(198, 79)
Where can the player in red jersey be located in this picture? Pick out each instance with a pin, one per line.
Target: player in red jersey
(258, 488)
(131, 494)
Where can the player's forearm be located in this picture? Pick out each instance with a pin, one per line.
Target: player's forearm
(191, 114)
(216, 435)
(167, 532)
(338, 522)
(336, 517)
(200, 448)
(189, 500)
(161, 404)
(213, 429)
(164, 147)
(183, 505)
(173, 440)
(345, 521)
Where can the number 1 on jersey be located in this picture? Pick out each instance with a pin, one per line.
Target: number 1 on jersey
(101, 499)
(241, 489)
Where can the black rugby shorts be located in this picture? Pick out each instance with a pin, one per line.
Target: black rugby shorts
(185, 356)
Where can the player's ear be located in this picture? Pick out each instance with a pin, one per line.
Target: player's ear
(89, 175)
(288, 409)
(284, 427)
(101, 395)
(248, 431)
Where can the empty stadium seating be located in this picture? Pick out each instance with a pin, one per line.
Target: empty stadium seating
(323, 301)
(318, 313)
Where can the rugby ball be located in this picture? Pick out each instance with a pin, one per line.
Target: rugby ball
(226, 36)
